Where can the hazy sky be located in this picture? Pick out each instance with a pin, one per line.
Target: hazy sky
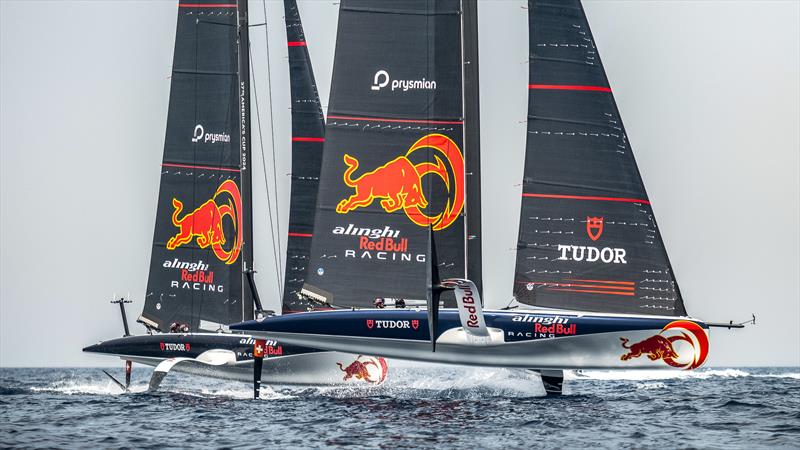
(709, 93)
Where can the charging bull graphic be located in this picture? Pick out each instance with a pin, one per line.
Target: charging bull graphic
(360, 370)
(661, 346)
(399, 183)
(206, 223)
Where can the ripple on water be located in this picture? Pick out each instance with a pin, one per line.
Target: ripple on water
(417, 407)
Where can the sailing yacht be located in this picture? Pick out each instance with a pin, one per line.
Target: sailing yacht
(201, 269)
(398, 214)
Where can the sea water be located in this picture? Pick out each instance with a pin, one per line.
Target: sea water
(418, 407)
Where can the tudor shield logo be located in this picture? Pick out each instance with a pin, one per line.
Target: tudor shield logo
(370, 323)
(594, 227)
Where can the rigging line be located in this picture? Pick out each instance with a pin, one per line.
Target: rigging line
(254, 84)
(274, 164)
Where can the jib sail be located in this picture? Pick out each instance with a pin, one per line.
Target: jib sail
(393, 160)
(308, 137)
(588, 238)
(195, 268)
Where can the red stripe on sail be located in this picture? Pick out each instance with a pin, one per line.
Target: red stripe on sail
(297, 43)
(207, 5)
(588, 197)
(300, 234)
(564, 87)
(555, 284)
(186, 166)
(380, 119)
(307, 139)
(629, 283)
(592, 291)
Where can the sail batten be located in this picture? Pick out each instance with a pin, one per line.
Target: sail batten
(588, 238)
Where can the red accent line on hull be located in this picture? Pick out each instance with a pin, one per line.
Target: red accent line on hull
(186, 166)
(308, 139)
(300, 234)
(379, 119)
(588, 197)
(296, 43)
(564, 87)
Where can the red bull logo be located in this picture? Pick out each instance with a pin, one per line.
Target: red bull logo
(398, 183)
(662, 346)
(371, 370)
(205, 223)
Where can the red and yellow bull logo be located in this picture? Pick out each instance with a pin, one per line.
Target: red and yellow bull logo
(398, 183)
(662, 346)
(205, 223)
(371, 369)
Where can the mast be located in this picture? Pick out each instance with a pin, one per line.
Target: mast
(243, 49)
(472, 141)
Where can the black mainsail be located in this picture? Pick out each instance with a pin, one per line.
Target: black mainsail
(588, 238)
(393, 161)
(196, 262)
(308, 137)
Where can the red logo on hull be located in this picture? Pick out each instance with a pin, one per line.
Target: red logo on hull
(359, 369)
(258, 348)
(661, 346)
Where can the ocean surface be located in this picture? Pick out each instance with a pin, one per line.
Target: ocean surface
(417, 407)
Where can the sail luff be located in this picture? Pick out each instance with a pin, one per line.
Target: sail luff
(245, 154)
(472, 143)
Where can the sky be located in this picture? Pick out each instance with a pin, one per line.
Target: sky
(709, 92)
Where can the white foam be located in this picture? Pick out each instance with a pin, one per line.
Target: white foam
(266, 393)
(642, 375)
(793, 375)
(73, 387)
